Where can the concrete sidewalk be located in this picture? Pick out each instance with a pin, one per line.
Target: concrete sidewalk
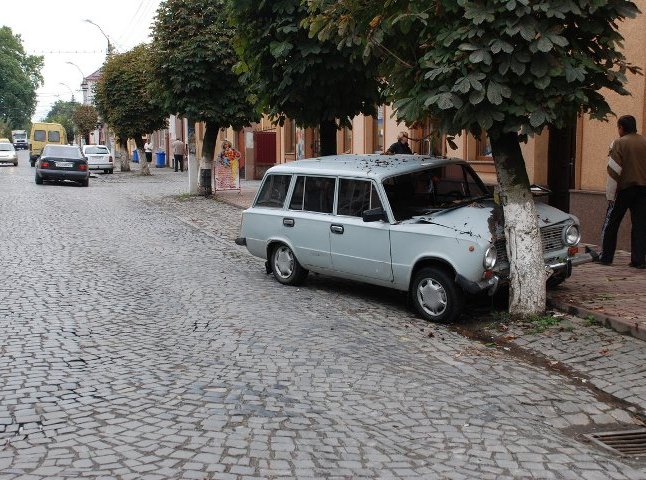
(615, 295)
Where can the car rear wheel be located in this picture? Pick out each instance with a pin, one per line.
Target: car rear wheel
(285, 266)
(15, 164)
(436, 296)
(39, 180)
(85, 183)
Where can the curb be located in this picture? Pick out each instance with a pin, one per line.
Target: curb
(618, 324)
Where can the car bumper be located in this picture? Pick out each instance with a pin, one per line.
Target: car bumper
(101, 166)
(62, 175)
(21, 146)
(8, 160)
(553, 267)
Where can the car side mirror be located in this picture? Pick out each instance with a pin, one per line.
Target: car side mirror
(374, 215)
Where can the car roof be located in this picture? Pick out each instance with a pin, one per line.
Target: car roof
(369, 166)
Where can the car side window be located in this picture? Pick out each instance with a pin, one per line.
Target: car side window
(274, 191)
(313, 194)
(53, 136)
(39, 136)
(356, 196)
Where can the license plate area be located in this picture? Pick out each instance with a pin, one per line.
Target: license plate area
(64, 164)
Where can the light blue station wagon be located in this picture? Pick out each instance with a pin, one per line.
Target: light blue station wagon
(420, 224)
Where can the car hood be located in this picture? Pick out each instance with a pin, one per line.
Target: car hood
(484, 219)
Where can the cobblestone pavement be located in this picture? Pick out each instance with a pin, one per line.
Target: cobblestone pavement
(138, 342)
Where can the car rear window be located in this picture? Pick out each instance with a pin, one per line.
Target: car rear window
(63, 151)
(274, 191)
(53, 136)
(39, 135)
(356, 196)
(313, 194)
(96, 150)
(6, 147)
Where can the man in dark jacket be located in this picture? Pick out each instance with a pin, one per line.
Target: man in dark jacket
(400, 147)
(627, 167)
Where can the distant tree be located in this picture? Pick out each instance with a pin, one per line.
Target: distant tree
(193, 68)
(124, 100)
(505, 67)
(62, 112)
(300, 76)
(20, 77)
(85, 119)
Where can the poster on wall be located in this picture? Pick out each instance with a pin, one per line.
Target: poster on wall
(226, 171)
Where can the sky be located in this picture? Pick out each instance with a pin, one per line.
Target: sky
(57, 31)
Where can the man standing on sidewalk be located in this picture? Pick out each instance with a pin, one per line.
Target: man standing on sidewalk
(178, 153)
(626, 190)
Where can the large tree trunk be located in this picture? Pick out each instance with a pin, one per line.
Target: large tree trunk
(206, 161)
(327, 133)
(524, 245)
(125, 159)
(193, 165)
(144, 169)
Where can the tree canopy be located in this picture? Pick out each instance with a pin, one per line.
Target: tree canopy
(298, 76)
(20, 77)
(85, 119)
(193, 68)
(62, 112)
(499, 66)
(123, 97)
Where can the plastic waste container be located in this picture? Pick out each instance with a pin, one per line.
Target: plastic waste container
(135, 156)
(161, 159)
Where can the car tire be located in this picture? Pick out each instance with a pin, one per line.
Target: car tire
(106, 171)
(39, 180)
(435, 295)
(111, 171)
(285, 266)
(85, 183)
(15, 164)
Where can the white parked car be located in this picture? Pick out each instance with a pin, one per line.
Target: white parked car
(99, 158)
(8, 153)
(424, 225)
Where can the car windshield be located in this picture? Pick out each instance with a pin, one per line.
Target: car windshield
(62, 151)
(6, 147)
(96, 150)
(433, 189)
(20, 136)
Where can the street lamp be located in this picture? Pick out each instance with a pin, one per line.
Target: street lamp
(68, 87)
(83, 82)
(110, 47)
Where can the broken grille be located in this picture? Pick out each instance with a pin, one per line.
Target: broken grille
(628, 443)
(551, 237)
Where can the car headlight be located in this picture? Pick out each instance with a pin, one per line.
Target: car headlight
(490, 258)
(571, 235)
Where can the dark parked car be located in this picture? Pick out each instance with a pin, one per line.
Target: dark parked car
(62, 162)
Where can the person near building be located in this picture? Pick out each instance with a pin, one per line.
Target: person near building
(179, 151)
(626, 190)
(400, 147)
(148, 150)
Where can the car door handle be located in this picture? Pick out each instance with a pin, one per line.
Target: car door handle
(288, 222)
(337, 229)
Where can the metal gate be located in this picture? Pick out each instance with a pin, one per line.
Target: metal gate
(265, 151)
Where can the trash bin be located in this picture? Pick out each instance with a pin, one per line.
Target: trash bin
(161, 159)
(135, 156)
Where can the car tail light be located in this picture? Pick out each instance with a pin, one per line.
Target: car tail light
(82, 166)
(44, 164)
(110, 159)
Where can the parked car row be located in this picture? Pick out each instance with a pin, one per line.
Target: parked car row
(424, 225)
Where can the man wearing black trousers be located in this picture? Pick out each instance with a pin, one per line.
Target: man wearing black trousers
(627, 185)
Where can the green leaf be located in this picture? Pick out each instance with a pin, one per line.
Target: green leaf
(494, 93)
(544, 44)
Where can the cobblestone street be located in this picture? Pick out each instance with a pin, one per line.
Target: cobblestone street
(137, 341)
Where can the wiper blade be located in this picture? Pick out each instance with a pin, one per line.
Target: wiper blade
(458, 205)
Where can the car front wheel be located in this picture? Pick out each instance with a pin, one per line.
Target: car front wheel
(285, 266)
(435, 295)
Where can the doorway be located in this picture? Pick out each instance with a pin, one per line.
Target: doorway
(561, 156)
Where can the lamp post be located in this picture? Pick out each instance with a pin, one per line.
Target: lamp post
(68, 87)
(110, 47)
(83, 82)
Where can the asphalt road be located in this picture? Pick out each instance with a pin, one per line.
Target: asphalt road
(138, 342)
